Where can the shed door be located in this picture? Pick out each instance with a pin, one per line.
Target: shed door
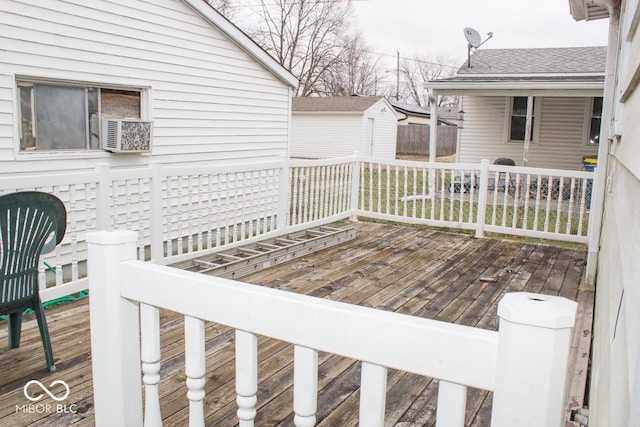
(369, 151)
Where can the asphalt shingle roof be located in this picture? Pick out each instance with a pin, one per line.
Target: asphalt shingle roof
(587, 60)
(334, 103)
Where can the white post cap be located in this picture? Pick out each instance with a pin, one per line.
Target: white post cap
(546, 311)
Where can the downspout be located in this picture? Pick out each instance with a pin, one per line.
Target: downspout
(527, 131)
(607, 137)
(433, 129)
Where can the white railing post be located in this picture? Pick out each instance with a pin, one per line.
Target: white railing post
(156, 217)
(355, 187)
(115, 332)
(533, 351)
(284, 188)
(483, 194)
(103, 197)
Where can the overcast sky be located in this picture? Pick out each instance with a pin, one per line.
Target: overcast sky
(431, 27)
(435, 27)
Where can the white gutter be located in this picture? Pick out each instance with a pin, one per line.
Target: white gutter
(529, 85)
(488, 76)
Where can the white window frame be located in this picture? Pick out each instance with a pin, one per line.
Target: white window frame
(537, 110)
(588, 116)
(145, 114)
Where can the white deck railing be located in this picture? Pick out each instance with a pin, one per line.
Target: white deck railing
(541, 203)
(524, 363)
(183, 211)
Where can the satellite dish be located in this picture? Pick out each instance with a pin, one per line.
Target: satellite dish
(475, 41)
(473, 37)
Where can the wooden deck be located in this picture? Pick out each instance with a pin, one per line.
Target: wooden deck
(425, 273)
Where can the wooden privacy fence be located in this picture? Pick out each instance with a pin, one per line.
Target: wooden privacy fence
(414, 139)
(530, 348)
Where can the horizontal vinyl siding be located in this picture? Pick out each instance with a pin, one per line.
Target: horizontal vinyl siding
(385, 132)
(209, 99)
(562, 135)
(6, 117)
(325, 135)
(560, 143)
(482, 136)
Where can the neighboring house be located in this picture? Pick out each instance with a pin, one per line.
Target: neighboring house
(325, 127)
(539, 107)
(176, 70)
(450, 113)
(415, 115)
(615, 374)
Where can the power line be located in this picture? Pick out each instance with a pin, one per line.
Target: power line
(406, 58)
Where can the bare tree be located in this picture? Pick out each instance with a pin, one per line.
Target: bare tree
(305, 36)
(354, 72)
(420, 69)
(223, 6)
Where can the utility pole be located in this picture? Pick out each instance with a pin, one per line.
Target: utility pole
(398, 75)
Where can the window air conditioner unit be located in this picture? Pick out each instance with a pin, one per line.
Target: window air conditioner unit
(126, 135)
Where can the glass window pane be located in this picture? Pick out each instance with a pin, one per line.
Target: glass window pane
(519, 106)
(61, 117)
(27, 124)
(517, 128)
(594, 134)
(120, 103)
(94, 117)
(597, 107)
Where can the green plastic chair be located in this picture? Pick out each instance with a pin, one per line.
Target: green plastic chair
(31, 223)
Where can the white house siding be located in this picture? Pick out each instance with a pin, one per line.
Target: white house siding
(560, 143)
(322, 134)
(615, 380)
(482, 135)
(325, 135)
(209, 99)
(385, 132)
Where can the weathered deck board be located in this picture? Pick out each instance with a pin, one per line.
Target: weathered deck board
(413, 271)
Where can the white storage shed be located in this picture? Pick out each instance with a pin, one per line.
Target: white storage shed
(325, 127)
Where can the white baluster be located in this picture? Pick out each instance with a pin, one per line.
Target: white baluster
(305, 390)
(246, 377)
(194, 368)
(548, 207)
(442, 193)
(150, 355)
(483, 194)
(452, 404)
(388, 190)
(536, 208)
(373, 395)
(73, 232)
(396, 194)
